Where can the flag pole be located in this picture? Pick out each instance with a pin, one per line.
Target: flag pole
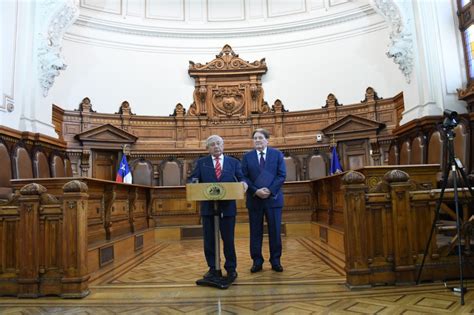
(333, 141)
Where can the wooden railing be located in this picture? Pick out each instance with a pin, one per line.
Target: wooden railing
(372, 223)
(44, 251)
(386, 224)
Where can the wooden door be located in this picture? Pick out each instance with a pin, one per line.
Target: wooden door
(355, 153)
(104, 165)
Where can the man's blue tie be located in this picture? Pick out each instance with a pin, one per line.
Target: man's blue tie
(262, 160)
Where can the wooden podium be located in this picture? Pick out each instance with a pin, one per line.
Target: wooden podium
(215, 192)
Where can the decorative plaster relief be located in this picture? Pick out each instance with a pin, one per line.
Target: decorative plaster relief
(401, 41)
(55, 17)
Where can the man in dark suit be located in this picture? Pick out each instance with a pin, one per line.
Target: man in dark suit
(217, 167)
(265, 172)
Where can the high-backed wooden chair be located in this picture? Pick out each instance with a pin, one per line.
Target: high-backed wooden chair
(57, 165)
(393, 155)
(405, 151)
(6, 173)
(170, 173)
(21, 162)
(316, 166)
(40, 164)
(417, 150)
(291, 170)
(142, 172)
(435, 149)
(67, 167)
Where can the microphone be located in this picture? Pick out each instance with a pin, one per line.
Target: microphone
(233, 175)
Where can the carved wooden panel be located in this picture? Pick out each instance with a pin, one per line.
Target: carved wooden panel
(354, 154)
(228, 100)
(9, 227)
(95, 217)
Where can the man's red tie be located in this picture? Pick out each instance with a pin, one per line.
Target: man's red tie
(218, 168)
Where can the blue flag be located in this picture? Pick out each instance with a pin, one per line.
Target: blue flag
(123, 172)
(335, 164)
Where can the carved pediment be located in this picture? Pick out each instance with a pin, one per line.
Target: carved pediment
(227, 59)
(106, 134)
(227, 87)
(351, 123)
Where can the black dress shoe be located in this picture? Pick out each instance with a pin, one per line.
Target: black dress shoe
(255, 268)
(277, 268)
(212, 273)
(231, 276)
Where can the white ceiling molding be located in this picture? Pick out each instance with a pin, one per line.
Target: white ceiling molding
(184, 30)
(114, 7)
(55, 16)
(401, 41)
(209, 47)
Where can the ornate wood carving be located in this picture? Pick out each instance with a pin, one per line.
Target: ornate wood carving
(228, 100)
(227, 86)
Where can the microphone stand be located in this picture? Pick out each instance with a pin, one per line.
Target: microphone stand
(216, 281)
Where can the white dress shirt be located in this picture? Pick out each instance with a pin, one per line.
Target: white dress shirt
(264, 154)
(221, 160)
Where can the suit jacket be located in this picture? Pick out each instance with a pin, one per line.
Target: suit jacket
(205, 173)
(272, 176)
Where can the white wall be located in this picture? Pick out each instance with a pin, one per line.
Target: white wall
(8, 36)
(151, 73)
(122, 52)
(30, 37)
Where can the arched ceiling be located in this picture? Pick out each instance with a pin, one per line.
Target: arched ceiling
(217, 18)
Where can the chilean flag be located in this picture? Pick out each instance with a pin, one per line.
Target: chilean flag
(123, 173)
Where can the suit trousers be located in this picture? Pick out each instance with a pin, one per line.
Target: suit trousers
(273, 217)
(227, 229)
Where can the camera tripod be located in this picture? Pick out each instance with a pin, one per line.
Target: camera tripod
(453, 166)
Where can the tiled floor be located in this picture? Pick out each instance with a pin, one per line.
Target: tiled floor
(165, 284)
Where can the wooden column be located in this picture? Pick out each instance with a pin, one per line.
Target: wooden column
(404, 260)
(74, 246)
(28, 276)
(355, 229)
